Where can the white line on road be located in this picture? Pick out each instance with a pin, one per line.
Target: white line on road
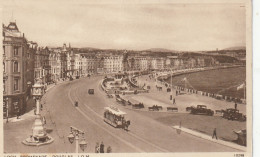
(143, 140)
(134, 135)
(112, 134)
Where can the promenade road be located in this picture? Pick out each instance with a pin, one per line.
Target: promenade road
(145, 135)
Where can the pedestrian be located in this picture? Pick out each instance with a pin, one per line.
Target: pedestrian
(109, 149)
(18, 113)
(173, 101)
(97, 148)
(214, 133)
(41, 107)
(43, 120)
(176, 93)
(235, 105)
(102, 147)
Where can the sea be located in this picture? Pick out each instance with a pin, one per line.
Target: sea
(219, 81)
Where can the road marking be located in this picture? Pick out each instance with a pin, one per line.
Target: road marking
(134, 135)
(112, 134)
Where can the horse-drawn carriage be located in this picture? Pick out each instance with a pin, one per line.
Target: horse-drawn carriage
(138, 106)
(116, 117)
(109, 95)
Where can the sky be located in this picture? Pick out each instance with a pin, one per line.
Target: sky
(135, 26)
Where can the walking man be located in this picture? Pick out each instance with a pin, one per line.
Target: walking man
(173, 101)
(214, 133)
(102, 147)
(235, 105)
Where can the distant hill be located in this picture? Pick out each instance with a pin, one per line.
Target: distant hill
(160, 50)
(236, 48)
(88, 48)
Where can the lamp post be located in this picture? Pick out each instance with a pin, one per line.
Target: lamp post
(5, 104)
(76, 134)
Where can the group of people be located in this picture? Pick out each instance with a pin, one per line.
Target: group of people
(101, 148)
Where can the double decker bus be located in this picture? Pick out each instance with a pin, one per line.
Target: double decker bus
(116, 117)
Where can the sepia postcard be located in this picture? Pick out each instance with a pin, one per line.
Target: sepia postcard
(126, 78)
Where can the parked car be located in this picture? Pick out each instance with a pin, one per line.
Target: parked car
(233, 114)
(91, 91)
(77, 77)
(201, 109)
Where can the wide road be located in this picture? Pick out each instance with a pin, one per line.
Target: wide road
(145, 134)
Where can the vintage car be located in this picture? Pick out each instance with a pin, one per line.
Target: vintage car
(241, 137)
(201, 109)
(233, 114)
(91, 91)
(77, 77)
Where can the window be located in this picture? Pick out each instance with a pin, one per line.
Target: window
(16, 66)
(16, 83)
(4, 50)
(16, 51)
(4, 85)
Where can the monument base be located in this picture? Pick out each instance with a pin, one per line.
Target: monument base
(33, 141)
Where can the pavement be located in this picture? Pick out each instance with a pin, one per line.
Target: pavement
(30, 113)
(183, 100)
(209, 138)
(145, 133)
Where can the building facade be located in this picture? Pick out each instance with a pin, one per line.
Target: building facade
(15, 69)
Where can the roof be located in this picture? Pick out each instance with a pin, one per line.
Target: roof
(114, 110)
(12, 30)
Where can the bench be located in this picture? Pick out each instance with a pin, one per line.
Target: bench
(172, 109)
(219, 111)
(160, 107)
(152, 109)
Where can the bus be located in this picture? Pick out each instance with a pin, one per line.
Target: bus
(115, 117)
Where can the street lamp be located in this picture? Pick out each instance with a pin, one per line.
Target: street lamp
(75, 135)
(5, 104)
